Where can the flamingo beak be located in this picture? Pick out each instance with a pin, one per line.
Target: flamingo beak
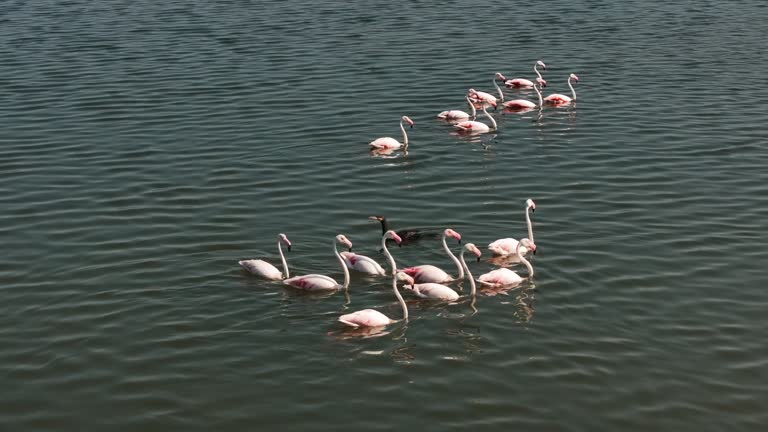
(478, 258)
(350, 248)
(289, 248)
(534, 250)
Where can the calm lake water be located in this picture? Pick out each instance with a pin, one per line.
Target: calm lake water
(145, 147)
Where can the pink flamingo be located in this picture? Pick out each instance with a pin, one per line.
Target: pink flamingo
(506, 246)
(265, 269)
(368, 265)
(430, 273)
(522, 82)
(487, 98)
(504, 277)
(316, 282)
(436, 291)
(561, 99)
(374, 318)
(458, 114)
(522, 104)
(473, 126)
(388, 143)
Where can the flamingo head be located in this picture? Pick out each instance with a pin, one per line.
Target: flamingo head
(528, 244)
(408, 120)
(541, 63)
(451, 233)
(574, 77)
(283, 238)
(393, 235)
(529, 204)
(500, 76)
(472, 248)
(341, 238)
(405, 277)
(542, 82)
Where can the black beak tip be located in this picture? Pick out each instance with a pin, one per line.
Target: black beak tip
(459, 241)
(350, 249)
(289, 248)
(478, 259)
(534, 251)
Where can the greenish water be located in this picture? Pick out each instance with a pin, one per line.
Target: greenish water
(146, 148)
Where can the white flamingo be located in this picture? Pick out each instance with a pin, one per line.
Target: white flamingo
(374, 318)
(436, 291)
(487, 98)
(506, 246)
(316, 282)
(504, 277)
(523, 104)
(265, 269)
(522, 82)
(472, 126)
(367, 264)
(430, 273)
(561, 99)
(388, 143)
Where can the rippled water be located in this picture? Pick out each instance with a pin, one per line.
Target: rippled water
(146, 147)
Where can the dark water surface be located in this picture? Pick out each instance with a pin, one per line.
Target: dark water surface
(145, 147)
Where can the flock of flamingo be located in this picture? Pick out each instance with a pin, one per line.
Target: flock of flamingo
(427, 281)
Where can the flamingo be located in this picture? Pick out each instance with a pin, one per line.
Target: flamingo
(522, 104)
(407, 236)
(472, 126)
(561, 99)
(374, 318)
(506, 246)
(438, 291)
(457, 114)
(388, 143)
(504, 277)
(265, 269)
(430, 273)
(316, 282)
(522, 82)
(366, 264)
(487, 98)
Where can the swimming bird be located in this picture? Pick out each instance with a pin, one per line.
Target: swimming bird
(504, 276)
(558, 99)
(406, 235)
(265, 269)
(430, 273)
(506, 246)
(315, 282)
(368, 265)
(388, 143)
(522, 82)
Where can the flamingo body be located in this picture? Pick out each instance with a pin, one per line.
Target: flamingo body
(362, 263)
(434, 291)
(453, 115)
(519, 104)
(365, 318)
(313, 282)
(427, 273)
(500, 277)
(518, 83)
(388, 143)
(473, 126)
(261, 268)
(561, 99)
(505, 246)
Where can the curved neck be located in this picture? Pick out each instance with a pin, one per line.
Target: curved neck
(501, 94)
(453, 257)
(536, 70)
(493, 121)
(389, 255)
(343, 265)
(405, 135)
(282, 258)
(573, 91)
(469, 275)
(471, 105)
(524, 261)
(528, 221)
(541, 102)
(400, 298)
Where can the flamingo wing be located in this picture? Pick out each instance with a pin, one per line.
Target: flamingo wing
(557, 99)
(427, 273)
(500, 277)
(518, 82)
(261, 268)
(504, 246)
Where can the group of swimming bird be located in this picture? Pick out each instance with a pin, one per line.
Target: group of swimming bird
(428, 281)
(425, 281)
(467, 123)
